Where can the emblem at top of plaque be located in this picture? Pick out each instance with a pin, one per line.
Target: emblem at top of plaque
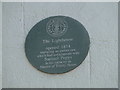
(56, 27)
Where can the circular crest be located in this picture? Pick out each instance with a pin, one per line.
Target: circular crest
(56, 27)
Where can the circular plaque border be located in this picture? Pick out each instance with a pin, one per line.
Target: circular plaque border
(58, 36)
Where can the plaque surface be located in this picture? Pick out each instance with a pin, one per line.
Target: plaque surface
(57, 44)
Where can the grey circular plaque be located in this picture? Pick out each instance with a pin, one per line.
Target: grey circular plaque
(57, 44)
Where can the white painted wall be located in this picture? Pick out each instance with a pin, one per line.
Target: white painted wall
(100, 68)
(0, 45)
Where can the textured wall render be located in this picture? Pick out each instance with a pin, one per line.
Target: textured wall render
(100, 68)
